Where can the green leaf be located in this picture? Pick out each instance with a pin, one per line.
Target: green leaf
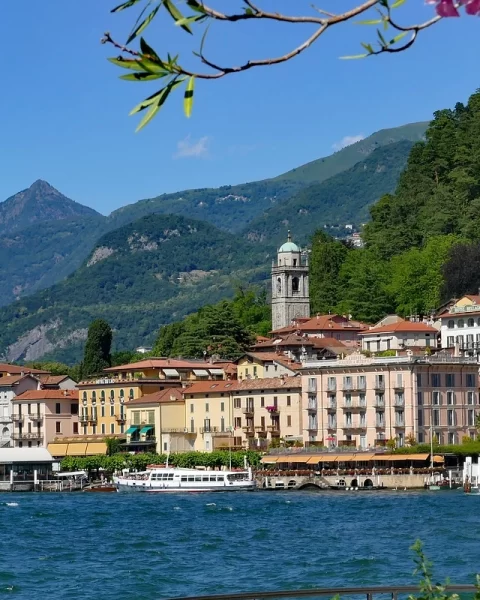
(382, 39)
(188, 97)
(127, 63)
(352, 57)
(143, 76)
(383, 3)
(385, 24)
(153, 67)
(127, 4)
(188, 20)
(398, 37)
(368, 47)
(146, 49)
(397, 3)
(369, 22)
(162, 95)
(176, 15)
(145, 103)
(143, 25)
(195, 5)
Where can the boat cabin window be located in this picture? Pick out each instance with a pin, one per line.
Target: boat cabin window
(198, 478)
(184, 478)
(162, 476)
(205, 478)
(236, 476)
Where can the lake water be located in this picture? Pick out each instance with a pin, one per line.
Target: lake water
(129, 547)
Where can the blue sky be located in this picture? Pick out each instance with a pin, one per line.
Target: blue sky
(64, 112)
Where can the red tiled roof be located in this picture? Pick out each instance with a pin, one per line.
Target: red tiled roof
(268, 384)
(163, 396)
(205, 387)
(274, 357)
(402, 326)
(166, 363)
(324, 323)
(18, 370)
(10, 380)
(52, 379)
(48, 395)
(473, 297)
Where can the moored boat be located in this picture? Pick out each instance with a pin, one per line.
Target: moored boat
(173, 479)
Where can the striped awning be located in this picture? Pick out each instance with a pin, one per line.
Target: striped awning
(78, 449)
(96, 448)
(269, 459)
(57, 449)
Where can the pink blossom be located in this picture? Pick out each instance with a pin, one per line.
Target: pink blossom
(472, 7)
(448, 8)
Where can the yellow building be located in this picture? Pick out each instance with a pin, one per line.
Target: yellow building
(260, 365)
(103, 400)
(156, 423)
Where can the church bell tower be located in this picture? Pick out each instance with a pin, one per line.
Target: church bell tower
(290, 294)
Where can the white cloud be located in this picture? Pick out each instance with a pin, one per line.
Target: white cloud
(188, 148)
(348, 140)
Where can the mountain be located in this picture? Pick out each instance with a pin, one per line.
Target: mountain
(342, 199)
(323, 168)
(145, 274)
(39, 203)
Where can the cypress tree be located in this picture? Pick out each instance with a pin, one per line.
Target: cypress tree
(96, 355)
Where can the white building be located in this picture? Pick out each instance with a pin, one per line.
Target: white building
(460, 326)
(10, 387)
(397, 334)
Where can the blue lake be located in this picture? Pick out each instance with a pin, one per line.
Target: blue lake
(129, 547)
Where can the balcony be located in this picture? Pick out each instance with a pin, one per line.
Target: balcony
(379, 385)
(248, 411)
(399, 402)
(346, 443)
(312, 386)
(273, 429)
(212, 430)
(248, 430)
(399, 385)
(399, 422)
(312, 426)
(312, 405)
(273, 410)
(332, 425)
(83, 419)
(332, 405)
(260, 430)
(121, 418)
(380, 424)
(381, 442)
(331, 388)
(17, 418)
(92, 418)
(36, 418)
(27, 436)
(379, 403)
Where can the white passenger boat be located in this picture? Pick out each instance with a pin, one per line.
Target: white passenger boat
(172, 479)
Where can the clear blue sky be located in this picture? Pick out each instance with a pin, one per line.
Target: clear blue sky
(64, 112)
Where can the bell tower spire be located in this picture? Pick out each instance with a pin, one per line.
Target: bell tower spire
(290, 290)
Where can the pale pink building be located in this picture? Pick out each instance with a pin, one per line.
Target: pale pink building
(40, 416)
(363, 402)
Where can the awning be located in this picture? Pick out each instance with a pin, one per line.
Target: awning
(58, 449)
(401, 457)
(96, 448)
(436, 459)
(294, 459)
(77, 449)
(171, 372)
(215, 371)
(313, 460)
(269, 459)
(146, 429)
(345, 457)
(132, 429)
(200, 372)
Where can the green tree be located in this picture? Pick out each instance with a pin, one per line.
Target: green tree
(113, 446)
(96, 356)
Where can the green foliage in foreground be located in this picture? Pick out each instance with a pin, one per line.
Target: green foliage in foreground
(469, 448)
(140, 461)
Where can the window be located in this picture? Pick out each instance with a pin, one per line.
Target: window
(254, 371)
(94, 397)
(192, 426)
(289, 401)
(451, 324)
(450, 380)
(191, 408)
(58, 408)
(103, 427)
(136, 417)
(102, 411)
(470, 380)
(289, 421)
(452, 438)
(237, 403)
(222, 407)
(450, 418)
(471, 417)
(419, 379)
(150, 417)
(460, 323)
(58, 427)
(73, 409)
(262, 401)
(207, 407)
(436, 380)
(419, 398)
(112, 427)
(237, 422)
(450, 397)
(75, 428)
(450, 341)
(112, 410)
(295, 283)
(436, 417)
(131, 394)
(471, 323)
(84, 396)
(420, 419)
(436, 398)
(102, 397)
(222, 424)
(470, 397)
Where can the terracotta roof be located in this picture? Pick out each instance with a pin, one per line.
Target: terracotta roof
(163, 396)
(275, 357)
(473, 297)
(205, 387)
(166, 363)
(324, 323)
(52, 379)
(402, 326)
(328, 342)
(10, 380)
(18, 370)
(48, 395)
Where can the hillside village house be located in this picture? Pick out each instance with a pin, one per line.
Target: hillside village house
(156, 423)
(10, 387)
(7, 370)
(363, 402)
(460, 326)
(394, 333)
(297, 347)
(258, 365)
(40, 416)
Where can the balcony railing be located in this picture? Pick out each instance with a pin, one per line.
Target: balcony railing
(273, 410)
(35, 417)
(399, 402)
(312, 405)
(121, 418)
(27, 436)
(214, 430)
(83, 418)
(273, 429)
(331, 425)
(248, 410)
(248, 430)
(312, 386)
(399, 385)
(379, 385)
(92, 418)
(380, 424)
(16, 417)
(379, 403)
(332, 405)
(331, 387)
(399, 422)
